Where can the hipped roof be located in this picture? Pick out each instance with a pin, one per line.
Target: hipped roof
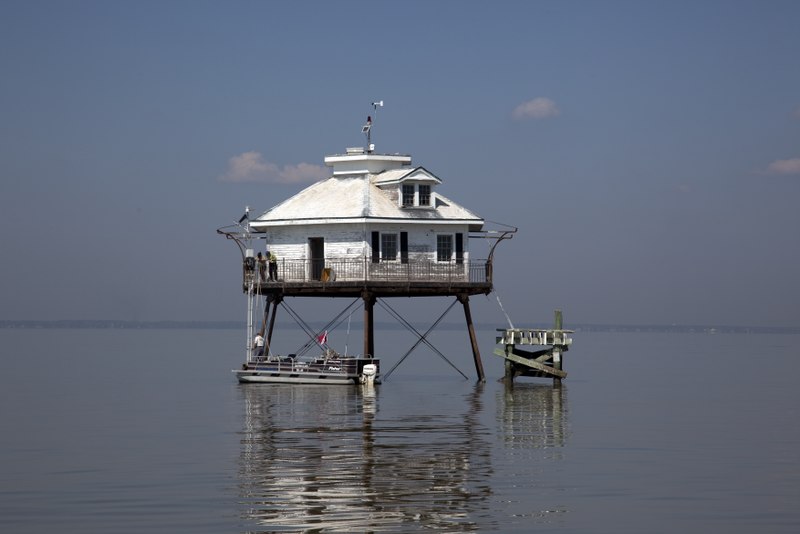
(352, 199)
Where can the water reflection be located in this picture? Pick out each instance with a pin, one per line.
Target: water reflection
(325, 458)
(533, 416)
(533, 424)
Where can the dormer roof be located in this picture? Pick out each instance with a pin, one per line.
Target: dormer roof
(418, 174)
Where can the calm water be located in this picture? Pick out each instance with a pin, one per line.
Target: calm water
(146, 431)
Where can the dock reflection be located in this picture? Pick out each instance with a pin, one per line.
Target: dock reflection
(324, 458)
(533, 416)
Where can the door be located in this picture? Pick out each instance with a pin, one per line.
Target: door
(316, 252)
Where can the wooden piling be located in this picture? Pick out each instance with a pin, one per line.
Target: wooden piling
(369, 324)
(558, 324)
(476, 353)
(276, 300)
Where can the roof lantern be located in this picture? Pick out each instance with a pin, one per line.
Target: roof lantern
(357, 160)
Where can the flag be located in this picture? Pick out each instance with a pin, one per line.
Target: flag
(322, 338)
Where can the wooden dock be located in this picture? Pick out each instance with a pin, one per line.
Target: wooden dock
(546, 362)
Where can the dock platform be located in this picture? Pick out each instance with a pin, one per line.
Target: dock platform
(546, 362)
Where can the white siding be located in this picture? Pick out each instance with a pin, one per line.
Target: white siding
(342, 241)
(354, 241)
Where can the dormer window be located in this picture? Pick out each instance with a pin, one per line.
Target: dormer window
(408, 194)
(416, 195)
(424, 195)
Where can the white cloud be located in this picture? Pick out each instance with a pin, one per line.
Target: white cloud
(538, 108)
(252, 167)
(784, 166)
(302, 172)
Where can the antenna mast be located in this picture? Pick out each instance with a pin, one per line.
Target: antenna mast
(367, 128)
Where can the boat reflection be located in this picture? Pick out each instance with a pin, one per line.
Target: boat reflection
(324, 458)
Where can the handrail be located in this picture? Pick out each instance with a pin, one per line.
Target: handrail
(332, 271)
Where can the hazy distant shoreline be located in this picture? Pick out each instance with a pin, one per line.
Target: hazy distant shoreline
(236, 325)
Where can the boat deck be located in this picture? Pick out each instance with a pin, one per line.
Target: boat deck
(331, 370)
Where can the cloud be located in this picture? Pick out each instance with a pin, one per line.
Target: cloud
(538, 108)
(796, 113)
(302, 172)
(784, 166)
(252, 167)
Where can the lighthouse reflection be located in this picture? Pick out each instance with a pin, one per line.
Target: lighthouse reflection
(326, 458)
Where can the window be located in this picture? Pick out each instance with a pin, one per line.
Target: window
(424, 195)
(416, 195)
(388, 247)
(408, 195)
(444, 247)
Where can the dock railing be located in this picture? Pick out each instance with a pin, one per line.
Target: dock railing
(332, 271)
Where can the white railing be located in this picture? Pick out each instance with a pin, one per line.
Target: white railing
(332, 271)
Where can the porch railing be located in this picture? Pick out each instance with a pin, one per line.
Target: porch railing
(332, 271)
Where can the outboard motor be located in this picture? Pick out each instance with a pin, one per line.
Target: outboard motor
(368, 373)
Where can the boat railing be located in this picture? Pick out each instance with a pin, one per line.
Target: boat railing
(283, 363)
(333, 271)
(290, 364)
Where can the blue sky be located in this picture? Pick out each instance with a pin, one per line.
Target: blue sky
(649, 152)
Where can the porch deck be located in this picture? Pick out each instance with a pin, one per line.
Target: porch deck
(349, 278)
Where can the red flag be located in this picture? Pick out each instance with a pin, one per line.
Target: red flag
(322, 338)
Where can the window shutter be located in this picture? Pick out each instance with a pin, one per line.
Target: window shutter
(403, 247)
(376, 247)
(459, 248)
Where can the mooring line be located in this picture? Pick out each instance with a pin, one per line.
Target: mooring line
(510, 324)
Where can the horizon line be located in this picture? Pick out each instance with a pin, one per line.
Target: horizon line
(230, 325)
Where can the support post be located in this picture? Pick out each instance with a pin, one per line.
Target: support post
(369, 324)
(476, 353)
(558, 325)
(274, 300)
(509, 372)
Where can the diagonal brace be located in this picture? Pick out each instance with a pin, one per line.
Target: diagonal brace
(332, 325)
(422, 338)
